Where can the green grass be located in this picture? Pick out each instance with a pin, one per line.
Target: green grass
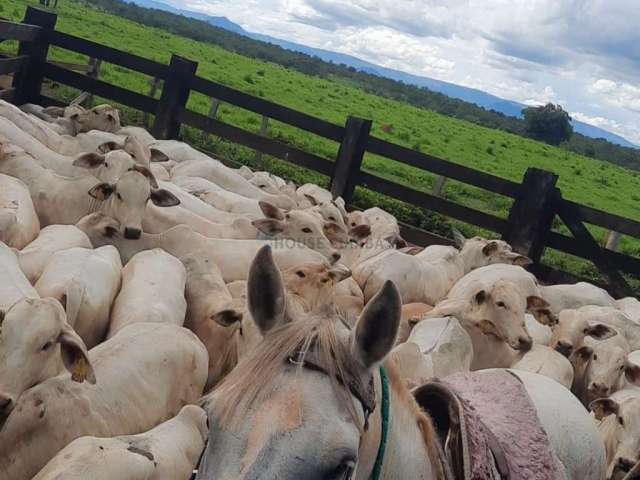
(585, 180)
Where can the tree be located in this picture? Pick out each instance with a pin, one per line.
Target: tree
(549, 123)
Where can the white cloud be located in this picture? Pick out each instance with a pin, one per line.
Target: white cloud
(581, 53)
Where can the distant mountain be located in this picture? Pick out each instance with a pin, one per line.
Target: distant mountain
(478, 97)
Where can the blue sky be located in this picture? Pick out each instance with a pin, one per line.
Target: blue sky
(583, 54)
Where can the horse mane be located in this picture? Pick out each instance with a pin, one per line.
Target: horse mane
(423, 420)
(315, 334)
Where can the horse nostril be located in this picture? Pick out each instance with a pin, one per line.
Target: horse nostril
(132, 233)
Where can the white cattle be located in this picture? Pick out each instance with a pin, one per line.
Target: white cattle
(299, 226)
(563, 297)
(619, 426)
(541, 334)
(233, 257)
(423, 281)
(517, 276)
(225, 177)
(85, 282)
(37, 343)
(630, 306)
(212, 314)
(53, 238)
(602, 368)
(14, 285)
(312, 285)
(168, 451)
(145, 375)
(19, 222)
(107, 168)
(152, 290)
(61, 200)
(545, 361)
(218, 197)
(445, 348)
(572, 328)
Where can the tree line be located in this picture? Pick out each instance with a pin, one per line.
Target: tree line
(420, 97)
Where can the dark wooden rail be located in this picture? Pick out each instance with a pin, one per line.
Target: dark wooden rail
(536, 200)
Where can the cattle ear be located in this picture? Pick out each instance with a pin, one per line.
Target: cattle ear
(226, 318)
(141, 169)
(107, 147)
(311, 199)
(75, 357)
(268, 226)
(270, 211)
(521, 260)
(265, 292)
(600, 331)
(158, 156)
(102, 191)
(490, 248)
(458, 238)
(164, 198)
(360, 232)
(88, 160)
(339, 272)
(487, 327)
(540, 309)
(603, 407)
(583, 354)
(377, 327)
(632, 373)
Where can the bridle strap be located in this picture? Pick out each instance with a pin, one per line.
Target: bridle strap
(386, 421)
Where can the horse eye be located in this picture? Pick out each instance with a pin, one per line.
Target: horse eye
(301, 274)
(344, 471)
(47, 346)
(306, 230)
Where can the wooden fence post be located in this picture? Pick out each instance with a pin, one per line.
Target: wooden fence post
(532, 213)
(612, 240)
(346, 169)
(155, 83)
(175, 94)
(28, 82)
(213, 113)
(438, 186)
(264, 128)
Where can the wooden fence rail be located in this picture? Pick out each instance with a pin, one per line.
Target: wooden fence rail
(536, 201)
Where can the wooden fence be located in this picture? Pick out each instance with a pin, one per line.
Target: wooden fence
(536, 200)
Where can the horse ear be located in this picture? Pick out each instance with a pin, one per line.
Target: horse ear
(378, 325)
(265, 292)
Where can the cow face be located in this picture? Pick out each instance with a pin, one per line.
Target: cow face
(623, 433)
(572, 329)
(35, 342)
(103, 117)
(299, 226)
(126, 200)
(314, 282)
(106, 167)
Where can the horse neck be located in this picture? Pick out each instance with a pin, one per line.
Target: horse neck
(411, 442)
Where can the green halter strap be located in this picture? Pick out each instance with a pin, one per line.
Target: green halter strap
(386, 420)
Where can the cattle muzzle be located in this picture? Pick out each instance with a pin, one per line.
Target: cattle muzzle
(622, 467)
(132, 233)
(6, 405)
(564, 348)
(524, 344)
(598, 390)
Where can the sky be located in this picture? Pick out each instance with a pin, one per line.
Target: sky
(583, 54)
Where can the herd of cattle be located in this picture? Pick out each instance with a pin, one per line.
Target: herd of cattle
(164, 316)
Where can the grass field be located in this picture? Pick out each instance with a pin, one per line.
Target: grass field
(585, 180)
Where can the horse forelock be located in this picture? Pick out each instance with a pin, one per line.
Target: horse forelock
(321, 334)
